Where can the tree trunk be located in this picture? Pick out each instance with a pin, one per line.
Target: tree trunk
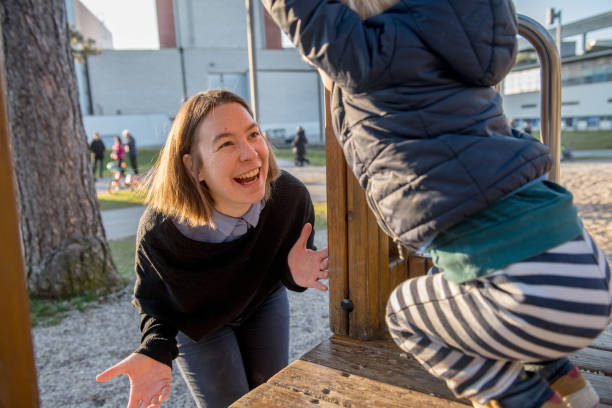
(63, 240)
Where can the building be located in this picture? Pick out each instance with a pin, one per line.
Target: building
(203, 45)
(586, 80)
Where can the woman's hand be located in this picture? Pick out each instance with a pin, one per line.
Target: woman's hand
(149, 379)
(308, 266)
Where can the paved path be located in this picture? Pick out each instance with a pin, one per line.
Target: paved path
(123, 222)
(592, 153)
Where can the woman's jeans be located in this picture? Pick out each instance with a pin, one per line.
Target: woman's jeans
(225, 365)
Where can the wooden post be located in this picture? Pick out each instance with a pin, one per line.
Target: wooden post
(364, 264)
(17, 371)
(336, 175)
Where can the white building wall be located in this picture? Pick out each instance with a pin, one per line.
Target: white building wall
(592, 100)
(128, 86)
(89, 25)
(214, 23)
(136, 82)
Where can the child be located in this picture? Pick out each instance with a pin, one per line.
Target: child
(422, 128)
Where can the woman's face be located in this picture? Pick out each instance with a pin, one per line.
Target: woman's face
(234, 158)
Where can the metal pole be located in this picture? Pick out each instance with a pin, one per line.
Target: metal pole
(252, 58)
(550, 94)
(558, 35)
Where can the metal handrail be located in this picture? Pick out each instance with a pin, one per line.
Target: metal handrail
(550, 93)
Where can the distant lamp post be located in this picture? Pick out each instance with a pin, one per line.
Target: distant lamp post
(553, 15)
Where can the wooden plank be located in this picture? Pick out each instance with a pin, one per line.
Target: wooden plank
(337, 234)
(272, 396)
(378, 360)
(604, 341)
(348, 390)
(603, 386)
(17, 371)
(593, 360)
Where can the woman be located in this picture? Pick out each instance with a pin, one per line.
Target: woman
(224, 231)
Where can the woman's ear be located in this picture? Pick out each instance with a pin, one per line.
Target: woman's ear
(188, 162)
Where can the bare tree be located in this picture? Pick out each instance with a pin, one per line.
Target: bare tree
(63, 240)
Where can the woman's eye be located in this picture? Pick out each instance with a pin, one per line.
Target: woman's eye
(225, 144)
(254, 135)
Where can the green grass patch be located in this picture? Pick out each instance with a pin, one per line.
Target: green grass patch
(320, 210)
(122, 199)
(314, 153)
(585, 140)
(51, 312)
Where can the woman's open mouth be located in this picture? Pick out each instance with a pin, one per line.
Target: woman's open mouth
(248, 177)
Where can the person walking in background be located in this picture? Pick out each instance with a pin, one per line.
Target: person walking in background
(118, 154)
(130, 148)
(97, 149)
(224, 234)
(298, 146)
(516, 277)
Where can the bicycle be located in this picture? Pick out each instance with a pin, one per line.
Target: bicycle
(120, 180)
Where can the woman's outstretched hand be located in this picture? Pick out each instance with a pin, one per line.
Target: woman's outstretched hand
(149, 379)
(308, 266)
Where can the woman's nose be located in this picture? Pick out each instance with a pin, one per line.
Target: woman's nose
(247, 151)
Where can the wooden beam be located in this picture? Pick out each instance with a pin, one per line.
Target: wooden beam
(17, 371)
(337, 234)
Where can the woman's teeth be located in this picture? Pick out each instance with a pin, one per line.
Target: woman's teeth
(248, 177)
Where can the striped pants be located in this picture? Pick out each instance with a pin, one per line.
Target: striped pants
(478, 334)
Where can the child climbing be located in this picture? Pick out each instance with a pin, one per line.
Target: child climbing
(520, 284)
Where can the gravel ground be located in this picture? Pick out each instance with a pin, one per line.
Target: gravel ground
(71, 354)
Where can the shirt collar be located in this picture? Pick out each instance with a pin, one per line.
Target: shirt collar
(226, 224)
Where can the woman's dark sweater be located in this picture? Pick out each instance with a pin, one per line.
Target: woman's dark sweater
(198, 287)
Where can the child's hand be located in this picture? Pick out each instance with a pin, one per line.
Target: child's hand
(308, 266)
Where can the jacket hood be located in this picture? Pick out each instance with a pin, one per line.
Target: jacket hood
(477, 39)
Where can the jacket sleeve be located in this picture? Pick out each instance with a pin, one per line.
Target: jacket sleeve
(158, 340)
(158, 337)
(333, 37)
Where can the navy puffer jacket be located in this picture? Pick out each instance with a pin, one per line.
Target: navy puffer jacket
(413, 105)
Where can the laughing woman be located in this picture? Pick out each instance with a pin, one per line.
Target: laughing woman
(224, 234)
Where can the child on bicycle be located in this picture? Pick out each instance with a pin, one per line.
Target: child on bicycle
(423, 130)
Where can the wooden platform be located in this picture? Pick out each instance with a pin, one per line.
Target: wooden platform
(341, 372)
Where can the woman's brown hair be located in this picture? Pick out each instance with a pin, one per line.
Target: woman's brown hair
(171, 188)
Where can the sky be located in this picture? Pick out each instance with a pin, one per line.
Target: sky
(134, 22)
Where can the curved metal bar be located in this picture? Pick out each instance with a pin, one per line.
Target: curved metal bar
(550, 93)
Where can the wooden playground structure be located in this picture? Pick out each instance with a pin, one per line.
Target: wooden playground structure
(359, 366)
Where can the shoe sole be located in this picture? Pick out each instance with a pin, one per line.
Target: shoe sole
(584, 397)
